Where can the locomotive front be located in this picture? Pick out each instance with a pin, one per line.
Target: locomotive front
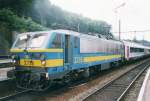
(30, 55)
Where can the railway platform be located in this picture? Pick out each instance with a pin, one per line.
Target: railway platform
(5, 61)
(3, 73)
(144, 94)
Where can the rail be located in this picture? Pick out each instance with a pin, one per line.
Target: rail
(117, 88)
(14, 95)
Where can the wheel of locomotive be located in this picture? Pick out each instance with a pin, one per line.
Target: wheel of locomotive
(28, 80)
(67, 79)
(44, 84)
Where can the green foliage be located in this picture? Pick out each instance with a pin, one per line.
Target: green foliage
(51, 16)
(17, 6)
(16, 23)
(4, 46)
(32, 15)
(10, 22)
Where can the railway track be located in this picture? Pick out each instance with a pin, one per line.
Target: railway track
(13, 95)
(116, 89)
(18, 96)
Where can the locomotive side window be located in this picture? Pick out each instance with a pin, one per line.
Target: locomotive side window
(56, 43)
(75, 42)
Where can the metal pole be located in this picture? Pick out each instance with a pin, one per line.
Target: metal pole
(119, 29)
(134, 36)
(143, 39)
(78, 27)
(118, 7)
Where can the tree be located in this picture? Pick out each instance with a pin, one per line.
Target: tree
(37, 15)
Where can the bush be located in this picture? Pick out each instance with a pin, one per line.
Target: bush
(16, 23)
(10, 22)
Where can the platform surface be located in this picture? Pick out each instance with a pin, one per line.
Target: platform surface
(144, 94)
(5, 61)
(3, 73)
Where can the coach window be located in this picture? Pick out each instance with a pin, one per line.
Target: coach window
(141, 50)
(132, 49)
(56, 43)
(75, 42)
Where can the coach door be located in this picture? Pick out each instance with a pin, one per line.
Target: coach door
(127, 51)
(68, 49)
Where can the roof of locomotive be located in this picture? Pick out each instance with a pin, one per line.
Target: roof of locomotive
(70, 32)
(92, 37)
(83, 35)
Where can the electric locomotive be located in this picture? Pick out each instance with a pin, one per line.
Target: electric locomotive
(60, 55)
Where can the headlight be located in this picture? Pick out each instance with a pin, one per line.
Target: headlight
(43, 58)
(43, 62)
(13, 61)
(13, 57)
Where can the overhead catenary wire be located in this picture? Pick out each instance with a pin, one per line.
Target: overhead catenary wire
(134, 31)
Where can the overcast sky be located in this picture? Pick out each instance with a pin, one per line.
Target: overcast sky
(134, 15)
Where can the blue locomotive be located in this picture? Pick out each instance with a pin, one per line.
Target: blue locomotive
(43, 57)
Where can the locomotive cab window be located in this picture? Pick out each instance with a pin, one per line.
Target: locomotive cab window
(56, 43)
(22, 41)
(36, 40)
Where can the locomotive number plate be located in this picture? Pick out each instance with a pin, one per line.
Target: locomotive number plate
(28, 62)
(78, 60)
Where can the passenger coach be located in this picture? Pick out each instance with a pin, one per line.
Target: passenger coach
(134, 51)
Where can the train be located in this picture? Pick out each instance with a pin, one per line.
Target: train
(59, 55)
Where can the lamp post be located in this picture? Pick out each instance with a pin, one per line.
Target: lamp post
(143, 40)
(119, 29)
(119, 21)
